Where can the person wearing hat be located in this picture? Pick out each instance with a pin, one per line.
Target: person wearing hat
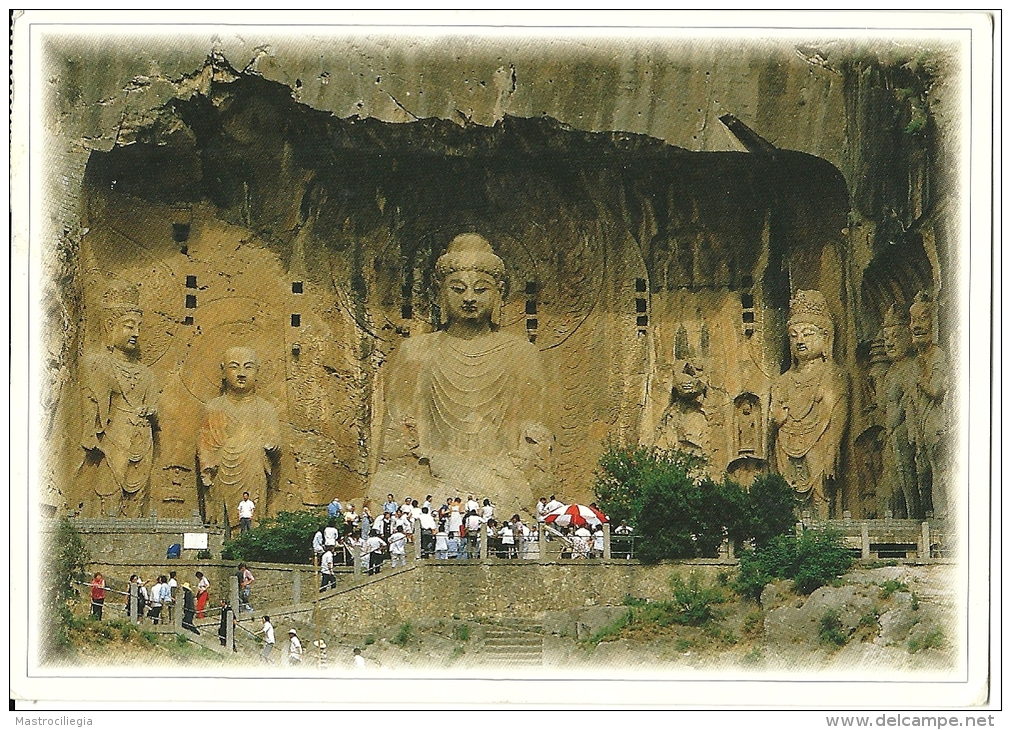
(189, 609)
(294, 648)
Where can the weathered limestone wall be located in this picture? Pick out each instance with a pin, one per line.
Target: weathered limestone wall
(303, 217)
(489, 590)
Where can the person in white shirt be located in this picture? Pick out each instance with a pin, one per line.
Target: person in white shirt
(268, 639)
(398, 548)
(508, 540)
(552, 505)
(294, 649)
(582, 543)
(472, 505)
(373, 550)
(327, 577)
(428, 528)
(359, 659)
(487, 511)
(472, 524)
(441, 545)
(170, 597)
(542, 508)
(330, 536)
(598, 541)
(246, 508)
(317, 543)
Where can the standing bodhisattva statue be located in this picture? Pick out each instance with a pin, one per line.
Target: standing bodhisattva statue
(120, 411)
(809, 407)
(465, 404)
(928, 401)
(899, 462)
(239, 438)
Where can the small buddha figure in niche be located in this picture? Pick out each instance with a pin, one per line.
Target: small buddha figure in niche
(898, 457)
(809, 406)
(120, 414)
(683, 425)
(239, 440)
(464, 406)
(927, 399)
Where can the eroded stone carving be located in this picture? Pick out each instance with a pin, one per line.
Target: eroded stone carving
(683, 425)
(898, 462)
(809, 405)
(465, 404)
(239, 440)
(928, 395)
(120, 413)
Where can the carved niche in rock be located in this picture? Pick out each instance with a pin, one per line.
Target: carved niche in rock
(239, 440)
(465, 405)
(120, 414)
(810, 405)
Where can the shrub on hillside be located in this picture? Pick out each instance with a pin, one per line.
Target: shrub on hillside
(814, 559)
(65, 563)
(286, 538)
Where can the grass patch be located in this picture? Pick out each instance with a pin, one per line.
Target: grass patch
(830, 629)
(931, 640)
(403, 635)
(369, 640)
(891, 586)
(914, 602)
(753, 657)
(613, 630)
(867, 626)
(461, 632)
(870, 565)
(754, 624)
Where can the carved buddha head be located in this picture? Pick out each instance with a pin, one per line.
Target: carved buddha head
(471, 281)
(896, 334)
(239, 369)
(809, 327)
(123, 319)
(921, 320)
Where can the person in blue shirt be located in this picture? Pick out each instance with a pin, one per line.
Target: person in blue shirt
(390, 507)
(334, 508)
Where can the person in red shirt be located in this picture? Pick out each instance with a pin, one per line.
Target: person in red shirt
(97, 595)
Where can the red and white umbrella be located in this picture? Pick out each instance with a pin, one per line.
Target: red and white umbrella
(575, 515)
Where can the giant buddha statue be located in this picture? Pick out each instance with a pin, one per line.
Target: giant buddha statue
(899, 463)
(239, 440)
(464, 405)
(809, 406)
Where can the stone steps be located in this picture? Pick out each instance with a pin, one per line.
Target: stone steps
(512, 643)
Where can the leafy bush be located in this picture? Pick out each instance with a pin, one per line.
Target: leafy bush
(286, 538)
(679, 511)
(814, 559)
(891, 586)
(830, 629)
(696, 601)
(461, 632)
(404, 634)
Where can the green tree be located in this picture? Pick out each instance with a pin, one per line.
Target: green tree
(814, 559)
(64, 566)
(772, 508)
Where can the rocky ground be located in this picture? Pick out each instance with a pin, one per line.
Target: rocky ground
(887, 619)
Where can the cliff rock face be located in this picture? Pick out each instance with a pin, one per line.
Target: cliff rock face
(295, 202)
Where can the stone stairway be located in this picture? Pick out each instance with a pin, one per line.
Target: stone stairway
(512, 643)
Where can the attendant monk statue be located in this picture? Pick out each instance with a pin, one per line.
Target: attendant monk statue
(928, 396)
(239, 439)
(899, 462)
(464, 406)
(120, 411)
(809, 406)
